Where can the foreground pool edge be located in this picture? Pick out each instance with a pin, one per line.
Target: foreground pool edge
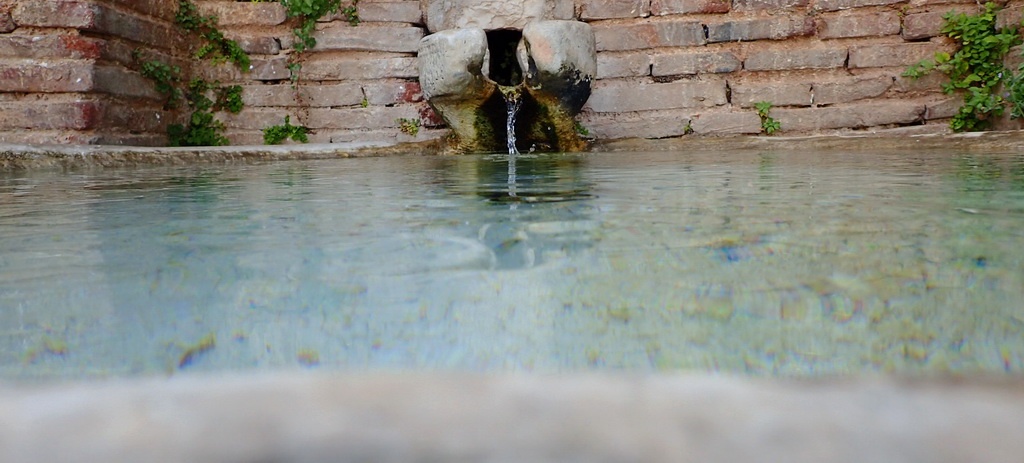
(383, 417)
(15, 157)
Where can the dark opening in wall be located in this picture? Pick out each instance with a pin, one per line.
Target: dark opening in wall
(504, 68)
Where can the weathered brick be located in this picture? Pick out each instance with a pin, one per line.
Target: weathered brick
(850, 89)
(244, 13)
(368, 38)
(621, 96)
(623, 64)
(694, 62)
(50, 46)
(726, 123)
(259, 118)
(134, 118)
(115, 80)
(362, 66)
(780, 92)
(1010, 17)
(402, 12)
(801, 58)
(76, 115)
(664, 7)
(56, 13)
(927, 22)
(833, 5)
(759, 28)
(269, 69)
(852, 116)
(603, 9)
(6, 22)
(641, 124)
(893, 54)
(928, 83)
(162, 9)
(17, 75)
(373, 117)
(394, 92)
(845, 24)
(612, 37)
(256, 44)
(943, 108)
(767, 4)
(286, 95)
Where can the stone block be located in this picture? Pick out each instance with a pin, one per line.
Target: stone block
(844, 24)
(1011, 16)
(850, 89)
(402, 39)
(800, 58)
(44, 115)
(623, 64)
(604, 9)
(116, 80)
(894, 54)
(850, 116)
(493, 14)
(162, 9)
(259, 118)
(922, 23)
(71, 46)
(401, 12)
(694, 62)
(777, 91)
(373, 117)
(256, 44)
(56, 76)
(641, 124)
(56, 13)
(269, 69)
(360, 67)
(134, 118)
(394, 92)
(286, 95)
(665, 7)
(648, 34)
(746, 5)
(943, 108)
(833, 5)
(928, 83)
(759, 28)
(7, 23)
(628, 95)
(726, 123)
(244, 13)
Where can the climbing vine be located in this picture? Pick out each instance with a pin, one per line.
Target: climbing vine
(277, 134)
(309, 12)
(976, 68)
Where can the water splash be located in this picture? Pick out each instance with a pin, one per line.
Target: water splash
(513, 101)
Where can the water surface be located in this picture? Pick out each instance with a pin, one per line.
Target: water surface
(777, 264)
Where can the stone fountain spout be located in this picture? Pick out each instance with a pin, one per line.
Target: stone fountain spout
(467, 74)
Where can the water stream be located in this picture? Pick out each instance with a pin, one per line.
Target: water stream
(513, 101)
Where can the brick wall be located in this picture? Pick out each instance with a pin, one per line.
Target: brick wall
(665, 67)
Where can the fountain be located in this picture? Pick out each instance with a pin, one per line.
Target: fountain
(500, 87)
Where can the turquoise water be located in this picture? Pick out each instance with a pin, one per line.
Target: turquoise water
(774, 264)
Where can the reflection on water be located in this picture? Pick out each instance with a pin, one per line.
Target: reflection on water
(757, 263)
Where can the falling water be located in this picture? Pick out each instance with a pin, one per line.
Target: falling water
(513, 100)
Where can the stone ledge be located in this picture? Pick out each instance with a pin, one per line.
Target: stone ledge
(466, 418)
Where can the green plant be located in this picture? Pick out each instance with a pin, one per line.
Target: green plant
(203, 129)
(580, 129)
(976, 68)
(166, 79)
(277, 134)
(688, 129)
(768, 124)
(309, 11)
(217, 47)
(408, 126)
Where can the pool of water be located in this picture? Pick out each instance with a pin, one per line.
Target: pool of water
(774, 264)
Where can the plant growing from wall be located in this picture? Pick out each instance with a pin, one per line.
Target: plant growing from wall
(408, 126)
(277, 134)
(309, 12)
(768, 124)
(203, 128)
(976, 68)
(216, 47)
